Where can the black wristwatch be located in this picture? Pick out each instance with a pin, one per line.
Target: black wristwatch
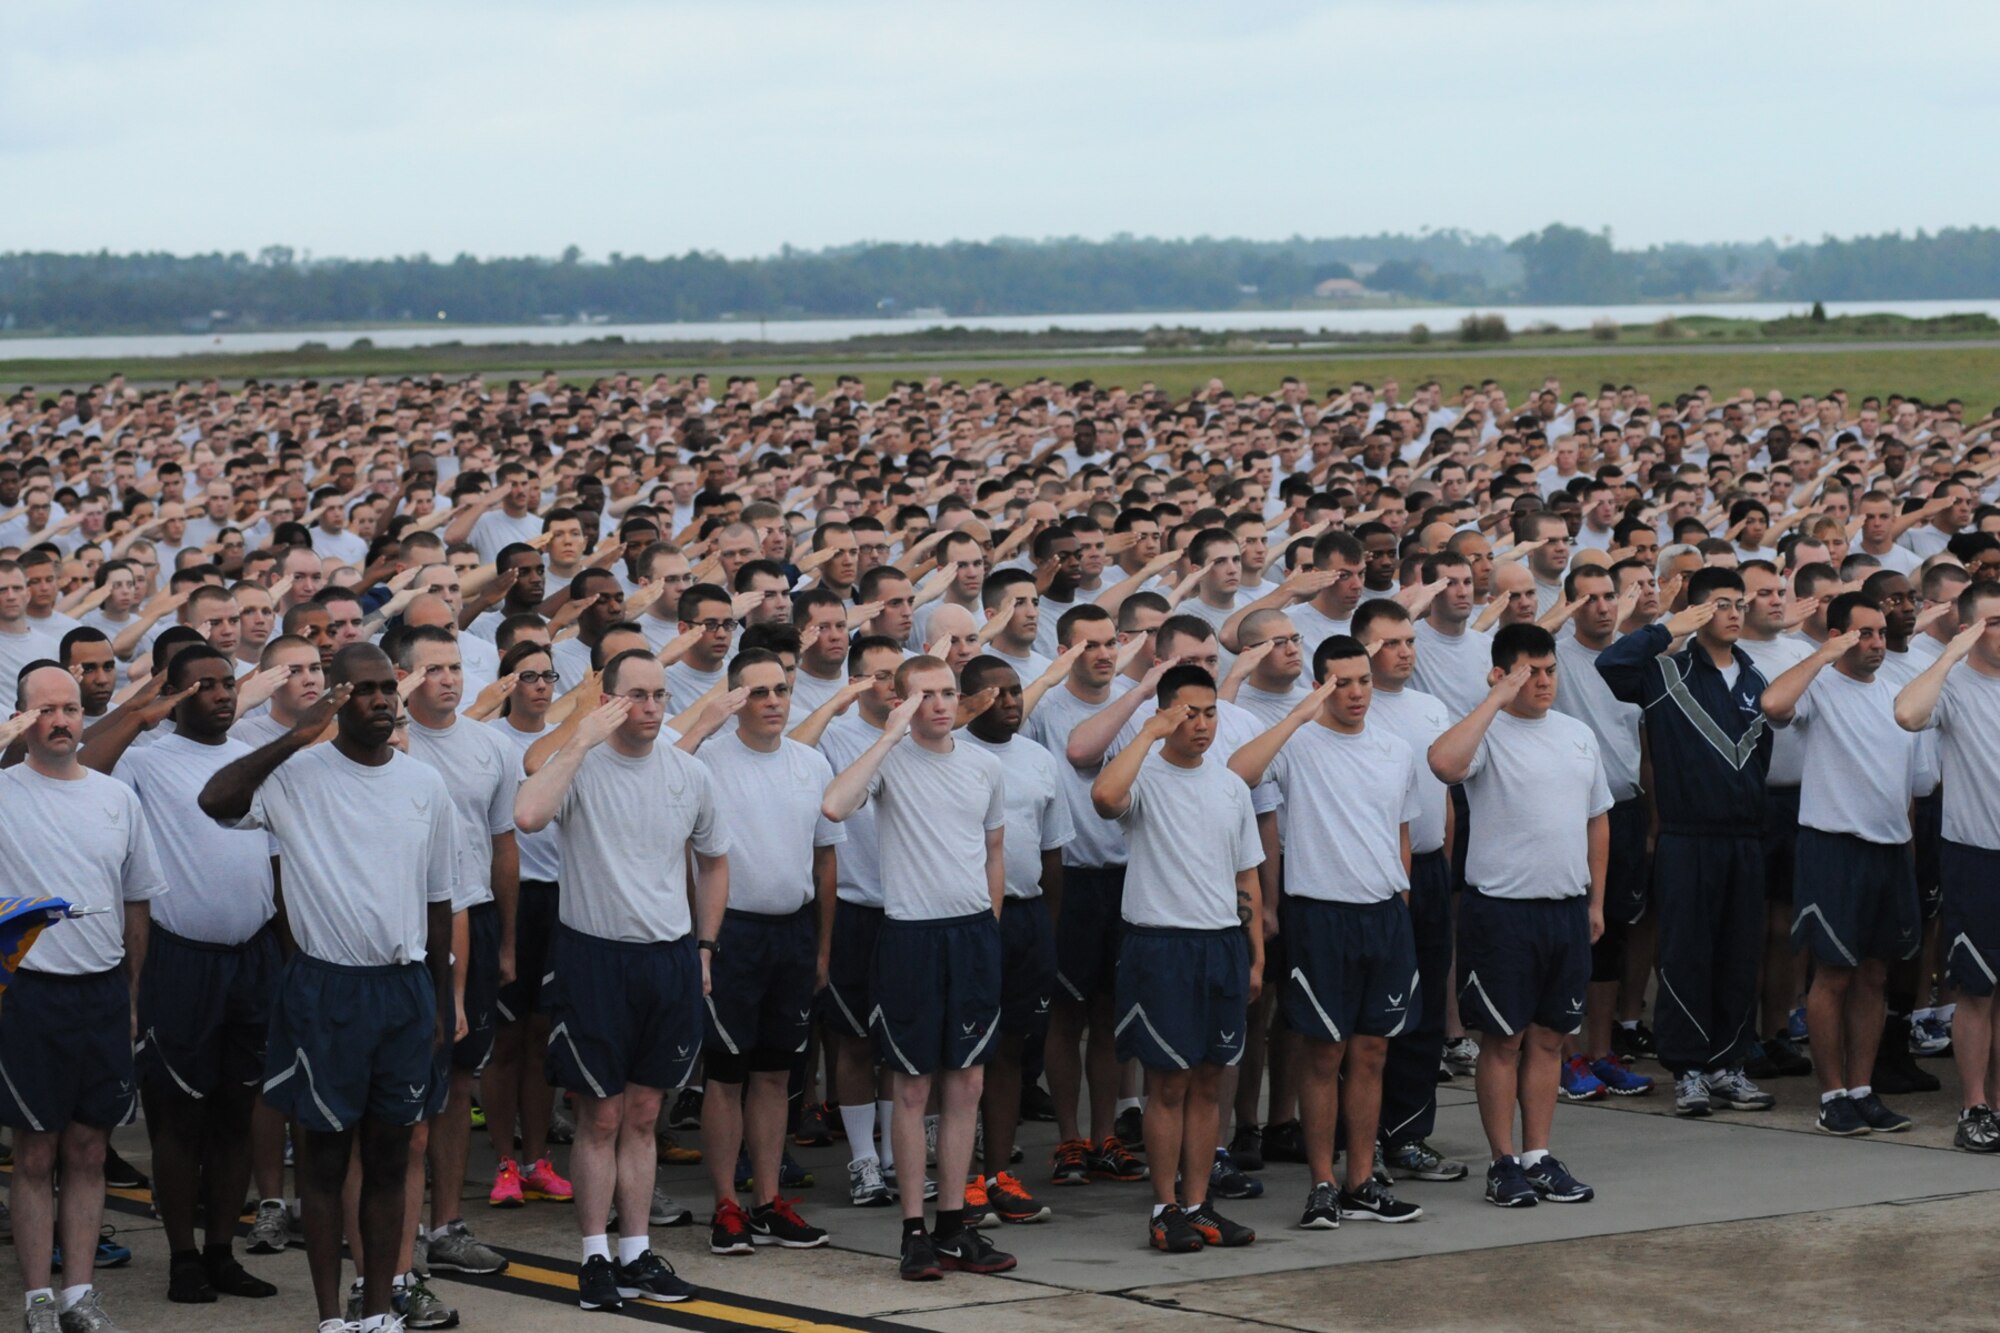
(709, 945)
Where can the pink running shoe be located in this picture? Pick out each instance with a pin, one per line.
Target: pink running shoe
(542, 1182)
(506, 1185)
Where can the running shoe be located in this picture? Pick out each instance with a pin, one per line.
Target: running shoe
(1978, 1131)
(506, 1191)
(978, 1208)
(1840, 1116)
(597, 1285)
(1732, 1090)
(271, 1232)
(1420, 1161)
(543, 1183)
(1633, 1043)
(1507, 1186)
(43, 1316)
(1011, 1201)
(1322, 1212)
(895, 1190)
(1461, 1056)
(420, 1307)
(1691, 1094)
(1579, 1084)
(686, 1111)
(791, 1176)
(1112, 1161)
(931, 1137)
(1215, 1229)
(1130, 1126)
(1072, 1163)
(562, 1124)
(120, 1174)
(187, 1281)
(478, 1116)
(651, 1278)
(110, 1254)
(1552, 1181)
(1785, 1057)
(1284, 1141)
(458, 1251)
(230, 1278)
(920, 1258)
(729, 1230)
(664, 1211)
(865, 1186)
(1618, 1080)
(1246, 1148)
(778, 1223)
(667, 1147)
(1879, 1118)
(1795, 1024)
(971, 1252)
(1372, 1203)
(1929, 1035)
(815, 1126)
(1172, 1233)
(1226, 1182)
(87, 1315)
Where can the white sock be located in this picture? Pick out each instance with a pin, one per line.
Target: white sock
(596, 1247)
(1832, 1096)
(1629, 1024)
(1533, 1155)
(38, 1293)
(885, 1116)
(266, 1203)
(859, 1122)
(1159, 1208)
(631, 1247)
(438, 1233)
(71, 1295)
(1127, 1104)
(1858, 1093)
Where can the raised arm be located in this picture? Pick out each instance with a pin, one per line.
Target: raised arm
(1781, 696)
(541, 794)
(1254, 757)
(1111, 793)
(227, 797)
(1451, 754)
(1918, 700)
(849, 788)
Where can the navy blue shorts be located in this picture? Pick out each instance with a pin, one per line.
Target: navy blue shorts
(535, 916)
(1781, 836)
(1970, 932)
(351, 1042)
(482, 989)
(850, 967)
(1628, 875)
(1089, 930)
(1927, 841)
(1183, 996)
(1854, 899)
(760, 992)
(1352, 968)
(937, 993)
(1522, 961)
(622, 1013)
(205, 1011)
(66, 1051)
(1027, 966)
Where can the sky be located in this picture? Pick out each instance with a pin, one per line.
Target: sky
(370, 128)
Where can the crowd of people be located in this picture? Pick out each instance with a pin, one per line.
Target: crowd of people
(1213, 775)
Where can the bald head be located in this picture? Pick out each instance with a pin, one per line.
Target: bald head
(356, 660)
(1512, 577)
(46, 686)
(430, 609)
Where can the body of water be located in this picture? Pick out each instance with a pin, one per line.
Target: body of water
(1441, 319)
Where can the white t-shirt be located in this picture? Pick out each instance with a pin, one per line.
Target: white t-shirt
(86, 841)
(541, 851)
(1191, 830)
(1347, 798)
(496, 529)
(1098, 841)
(1899, 669)
(16, 651)
(1419, 719)
(1270, 709)
(809, 692)
(859, 862)
(1234, 727)
(1773, 658)
(1533, 786)
(1582, 694)
(1453, 667)
(220, 878)
(1857, 760)
(478, 769)
(1314, 627)
(343, 546)
(365, 848)
(1966, 722)
(686, 683)
(1038, 817)
(770, 810)
(932, 813)
(627, 824)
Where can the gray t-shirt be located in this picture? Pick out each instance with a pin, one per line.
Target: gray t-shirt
(770, 811)
(1899, 669)
(478, 769)
(1453, 668)
(220, 878)
(1582, 694)
(1270, 709)
(932, 813)
(541, 851)
(1234, 727)
(1098, 841)
(496, 529)
(1534, 785)
(1859, 765)
(258, 730)
(1419, 719)
(1314, 626)
(1773, 658)
(685, 683)
(626, 826)
(1191, 831)
(859, 862)
(1346, 801)
(810, 691)
(1966, 723)
(86, 841)
(365, 850)
(1037, 810)
(16, 651)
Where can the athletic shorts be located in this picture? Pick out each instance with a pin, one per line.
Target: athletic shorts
(535, 916)
(760, 991)
(1781, 836)
(349, 1042)
(1183, 996)
(66, 1051)
(1926, 841)
(1628, 872)
(1353, 968)
(850, 968)
(482, 989)
(937, 993)
(1089, 930)
(205, 1011)
(1854, 899)
(1970, 930)
(622, 1013)
(1522, 961)
(1027, 966)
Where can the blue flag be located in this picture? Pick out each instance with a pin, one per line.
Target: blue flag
(21, 920)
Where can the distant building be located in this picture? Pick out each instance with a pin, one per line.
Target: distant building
(1340, 289)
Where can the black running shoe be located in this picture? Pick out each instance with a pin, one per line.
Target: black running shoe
(920, 1259)
(651, 1278)
(1130, 1126)
(1633, 1043)
(1879, 1118)
(1247, 1148)
(1284, 1141)
(1785, 1057)
(1840, 1116)
(1372, 1203)
(778, 1223)
(1171, 1232)
(815, 1125)
(970, 1252)
(597, 1285)
(187, 1282)
(686, 1112)
(231, 1278)
(1216, 1229)
(120, 1174)
(1036, 1104)
(1322, 1209)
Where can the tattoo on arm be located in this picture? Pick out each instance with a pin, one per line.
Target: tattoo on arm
(1243, 906)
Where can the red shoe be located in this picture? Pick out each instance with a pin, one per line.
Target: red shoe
(542, 1182)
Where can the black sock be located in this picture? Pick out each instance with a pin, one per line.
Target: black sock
(187, 1279)
(913, 1226)
(950, 1221)
(184, 1257)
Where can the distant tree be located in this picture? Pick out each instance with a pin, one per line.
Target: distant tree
(1570, 266)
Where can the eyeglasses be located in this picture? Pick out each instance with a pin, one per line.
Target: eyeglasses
(710, 626)
(538, 678)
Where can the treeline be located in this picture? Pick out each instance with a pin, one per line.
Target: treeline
(278, 287)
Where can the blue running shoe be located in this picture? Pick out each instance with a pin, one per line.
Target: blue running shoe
(1579, 1084)
(1226, 1182)
(1795, 1025)
(110, 1254)
(1552, 1180)
(1507, 1186)
(1618, 1080)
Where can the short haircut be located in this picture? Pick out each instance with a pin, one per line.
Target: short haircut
(1335, 648)
(616, 666)
(1434, 565)
(805, 603)
(349, 659)
(66, 650)
(1337, 545)
(996, 588)
(857, 653)
(179, 637)
(972, 678)
(1197, 550)
(1128, 611)
(776, 638)
(510, 661)
(1179, 678)
(920, 663)
(1707, 581)
(278, 643)
(748, 658)
(184, 660)
(413, 635)
(691, 602)
(510, 630)
(1086, 613)
(1193, 628)
(1840, 611)
(1585, 572)
(1376, 611)
(1511, 643)
(1969, 600)
(869, 586)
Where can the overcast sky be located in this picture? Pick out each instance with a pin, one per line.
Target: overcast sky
(369, 128)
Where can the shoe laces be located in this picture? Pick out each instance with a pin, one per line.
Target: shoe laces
(975, 1193)
(732, 1219)
(1322, 1195)
(782, 1207)
(1072, 1151)
(1007, 1182)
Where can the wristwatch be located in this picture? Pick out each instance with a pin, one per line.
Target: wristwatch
(709, 945)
